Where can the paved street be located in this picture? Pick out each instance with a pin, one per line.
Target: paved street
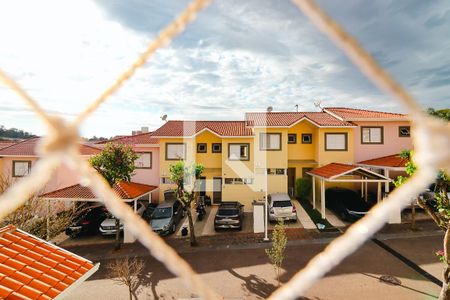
(245, 273)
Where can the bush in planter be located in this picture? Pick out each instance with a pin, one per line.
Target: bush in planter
(302, 187)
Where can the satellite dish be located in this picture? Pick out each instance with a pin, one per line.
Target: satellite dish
(269, 109)
(164, 117)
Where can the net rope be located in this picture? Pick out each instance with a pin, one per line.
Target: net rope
(60, 145)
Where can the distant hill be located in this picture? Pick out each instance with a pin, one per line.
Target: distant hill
(14, 133)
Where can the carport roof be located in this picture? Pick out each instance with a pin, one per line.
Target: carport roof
(125, 190)
(333, 171)
(31, 268)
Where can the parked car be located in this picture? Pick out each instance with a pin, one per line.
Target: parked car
(87, 222)
(347, 204)
(108, 226)
(281, 208)
(170, 195)
(147, 215)
(229, 215)
(166, 217)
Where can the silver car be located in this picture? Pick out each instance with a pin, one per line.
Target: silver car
(281, 208)
(166, 217)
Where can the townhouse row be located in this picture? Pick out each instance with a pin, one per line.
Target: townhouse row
(265, 152)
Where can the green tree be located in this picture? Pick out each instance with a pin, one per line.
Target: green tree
(438, 207)
(186, 178)
(115, 163)
(440, 113)
(276, 253)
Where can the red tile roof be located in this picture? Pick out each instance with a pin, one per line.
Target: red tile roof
(190, 128)
(290, 118)
(4, 144)
(394, 161)
(28, 148)
(332, 170)
(352, 114)
(34, 269)
(138, 139)
(125, 190)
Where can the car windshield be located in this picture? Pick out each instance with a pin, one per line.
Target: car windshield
(162, 213)
(284, 203)
(227, 212)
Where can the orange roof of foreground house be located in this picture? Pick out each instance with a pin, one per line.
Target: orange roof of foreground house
(31, 268)
(191, 128)
(125, 190)
(287, 119)
(28, 148)
(392, 161)
(352, 114)
(138, 139)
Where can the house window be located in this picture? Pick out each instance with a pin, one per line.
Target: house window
(217, 148)
(270, 141)
(306, 138)
(21, 168)
(273, 171)
(166, 180)
(371, 135)
(336, 141)
(238, 181)
(144, 160)
(238, 151)
(175, 151)
(292, 138)
(404, 131)
(201, 148)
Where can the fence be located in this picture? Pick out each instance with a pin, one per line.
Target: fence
(61, 145)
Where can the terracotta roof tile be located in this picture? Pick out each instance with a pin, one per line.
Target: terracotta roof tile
(4, 144)
(143, 138)
(190, 128)
(350, 114)
(386, 161)
(332, 169)
(125, 190)
(33, 269)
(28, 148)
(290, 118)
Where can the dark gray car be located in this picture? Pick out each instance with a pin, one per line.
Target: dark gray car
(166, 217)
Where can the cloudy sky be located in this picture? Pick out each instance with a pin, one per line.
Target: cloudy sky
(237, 56)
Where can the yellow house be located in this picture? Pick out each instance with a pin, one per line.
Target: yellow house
(266, 152)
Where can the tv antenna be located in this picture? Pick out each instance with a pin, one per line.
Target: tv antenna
(164, 118)
(269, 109)
(318, 104)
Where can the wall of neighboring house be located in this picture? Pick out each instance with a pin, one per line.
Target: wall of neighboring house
(147, 175)
(392, 142)
(63, 176)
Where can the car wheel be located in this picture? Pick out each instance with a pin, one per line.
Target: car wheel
(240, 228)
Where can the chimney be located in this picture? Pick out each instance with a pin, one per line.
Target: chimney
(144, 129)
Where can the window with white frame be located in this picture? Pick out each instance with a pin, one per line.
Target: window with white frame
(238, 181)
(372, 135)
(216, 148)
(292, 138)
(270, 141)
(166, 180)
(273, 171)
(144, 160)
(238, 151)
(21, 168)
(336, 141)
(306, 138)
(175, 151)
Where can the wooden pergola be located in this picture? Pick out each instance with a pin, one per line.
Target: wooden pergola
(337, 172)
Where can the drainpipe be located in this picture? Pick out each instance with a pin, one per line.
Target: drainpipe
(266, 223)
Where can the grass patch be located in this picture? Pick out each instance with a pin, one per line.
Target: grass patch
(316, 217)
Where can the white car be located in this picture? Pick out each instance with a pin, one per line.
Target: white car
(281, 208)
(108, 226)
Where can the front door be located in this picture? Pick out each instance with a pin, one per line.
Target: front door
(217, 190)
(202, 186)
(291, 181)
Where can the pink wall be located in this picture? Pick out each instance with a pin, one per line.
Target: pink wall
(148, 176)
(392, 142)
(63, 176)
